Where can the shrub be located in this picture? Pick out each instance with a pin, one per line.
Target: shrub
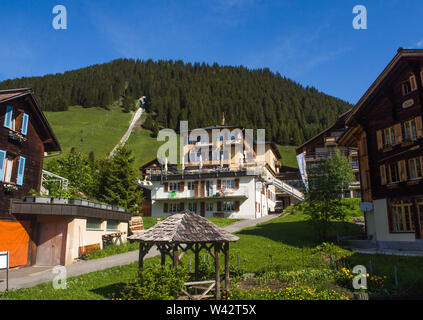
(156, 283)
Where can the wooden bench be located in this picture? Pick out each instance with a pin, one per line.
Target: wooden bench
(136, 225)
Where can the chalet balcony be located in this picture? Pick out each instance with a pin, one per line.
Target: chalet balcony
(241, 192)
(324, 155)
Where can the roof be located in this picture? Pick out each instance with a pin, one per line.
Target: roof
(401, 54)
(49, 139)
(155, 163)
(340, 120)
(184, 227)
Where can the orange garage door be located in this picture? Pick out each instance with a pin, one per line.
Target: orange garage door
(14, 238)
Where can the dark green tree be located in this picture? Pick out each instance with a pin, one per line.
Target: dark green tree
(327, 181)
(118, 181)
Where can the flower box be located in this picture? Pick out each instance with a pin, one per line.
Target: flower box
(75, 201)
(97, 205)
(91, 204)
(121, 209)
(9, 187)
(42, 199)
(60, 200)
(103, 206)
(17, 136)
(109, 207)
(29, 199)
(84, 202)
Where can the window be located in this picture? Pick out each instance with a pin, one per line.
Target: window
(209, 206)
(192, 206)
(17, 123)
(392, 172)
(112, 225)
(174, 186)
(402, 216)
(228, 184)
(415, 168)
(7, 163)
(228, 206)
(173, 207)
(93, 224)
(389, 137)
(409, 85)
(191, 185)
(410, 130)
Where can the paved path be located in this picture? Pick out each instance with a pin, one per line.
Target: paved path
(125, 137)
(30, 276)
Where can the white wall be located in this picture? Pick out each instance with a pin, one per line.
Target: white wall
(379, 224)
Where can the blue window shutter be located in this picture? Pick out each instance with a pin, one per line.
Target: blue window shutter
(2, 163)
(21, 171)
(8, 117)
(25, 121)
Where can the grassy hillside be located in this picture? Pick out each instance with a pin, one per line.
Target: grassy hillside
(99, 130)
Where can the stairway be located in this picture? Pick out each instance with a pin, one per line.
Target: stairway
(287, 189)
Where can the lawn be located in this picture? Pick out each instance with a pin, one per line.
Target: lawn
(289, 156)
(282, 250)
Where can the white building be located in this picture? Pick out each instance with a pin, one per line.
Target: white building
(234, 189)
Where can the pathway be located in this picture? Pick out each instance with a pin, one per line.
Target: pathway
(125, 137)
(30, 276)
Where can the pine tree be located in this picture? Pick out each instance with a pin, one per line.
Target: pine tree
(118, 181)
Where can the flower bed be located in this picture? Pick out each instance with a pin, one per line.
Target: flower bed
(17, 136)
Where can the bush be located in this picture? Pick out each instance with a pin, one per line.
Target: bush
(156, 283)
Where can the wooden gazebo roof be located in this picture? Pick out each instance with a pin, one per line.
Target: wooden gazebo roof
(185, 227)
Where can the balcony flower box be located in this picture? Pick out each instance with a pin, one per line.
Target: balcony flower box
(75, 201)
(109, 207)
(97, 205)
(121, 209)
(17, 136)
(84, 202)
(91, 204)
(9, 187)
(103, 206)
(42, 199)
(60, 200)
(29, 199)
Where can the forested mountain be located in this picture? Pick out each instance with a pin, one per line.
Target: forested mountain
(199, 93)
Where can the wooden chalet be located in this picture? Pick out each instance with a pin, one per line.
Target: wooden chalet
(42, 233)
(386, 127)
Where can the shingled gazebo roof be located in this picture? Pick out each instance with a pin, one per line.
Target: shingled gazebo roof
(184, 227)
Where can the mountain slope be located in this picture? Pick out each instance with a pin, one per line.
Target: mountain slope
(199, 93)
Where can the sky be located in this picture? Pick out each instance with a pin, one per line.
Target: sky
(312, 42)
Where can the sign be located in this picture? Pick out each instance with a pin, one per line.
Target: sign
(366, 206)
(302, 167)
(408, 103)
(4, 264)
(4, 260)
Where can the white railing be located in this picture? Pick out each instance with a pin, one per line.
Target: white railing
(288, 189)
(209, 194)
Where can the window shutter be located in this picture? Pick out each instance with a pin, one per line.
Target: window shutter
(382, 175)
(25, 121)
(403, 171)
(398, 133)
(166, 187)
(413, 83)
(21, 171)
(165, 208)
(196, 188)
(2, 163)
(219, 206)
(379, 139)
(181, 186)
(236, 183)
(237, 206)
(219, 184)
(419, 127)
(8, 117)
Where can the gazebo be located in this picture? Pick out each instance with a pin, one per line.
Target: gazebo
(183, 232)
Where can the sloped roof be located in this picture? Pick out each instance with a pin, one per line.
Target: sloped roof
(184, 227)
(49, 139)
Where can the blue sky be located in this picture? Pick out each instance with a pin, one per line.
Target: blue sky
(312, 42)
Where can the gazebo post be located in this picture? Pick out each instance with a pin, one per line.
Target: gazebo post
(227, 280)
(217, 270)
(196, 262)
(175, 256)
